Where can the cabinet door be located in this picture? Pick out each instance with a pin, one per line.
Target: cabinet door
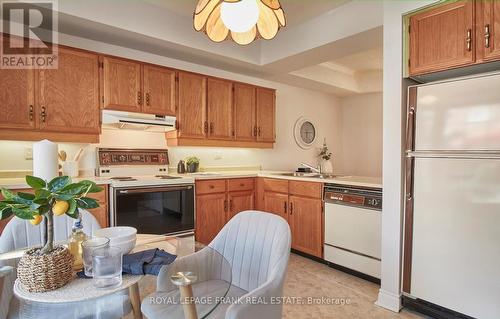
(489, 29)
(442, 38)
(122, 85)
(17, 99)
(68, 96)
(265, 115)
(210, 216)
(191, 115)
(276, 203)
(306, 223)
(159, 90)
(220, 109)
(245, 128)
(239, 202)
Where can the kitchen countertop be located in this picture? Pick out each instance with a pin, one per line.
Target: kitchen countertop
(360, 181)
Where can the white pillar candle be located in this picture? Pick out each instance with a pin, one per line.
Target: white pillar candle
(45, 160)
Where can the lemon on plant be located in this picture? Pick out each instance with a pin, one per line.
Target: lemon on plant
(37, 219)
(60, 207)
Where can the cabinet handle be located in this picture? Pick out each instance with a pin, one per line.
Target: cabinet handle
(285, 206)
(43, 114)
(147, 99)
(487, 36)
(225, 205)
(205, 127)
(291, 208)
(211, 127)
(259, 132)
(469, 39)
(30, 113)
(230, 204)
(139, 97)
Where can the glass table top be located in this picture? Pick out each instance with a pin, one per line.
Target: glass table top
(211, 281)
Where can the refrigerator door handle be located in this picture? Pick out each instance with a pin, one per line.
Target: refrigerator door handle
(410, 125)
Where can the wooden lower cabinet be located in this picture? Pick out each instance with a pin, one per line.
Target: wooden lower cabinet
(101, 213)
(210, 216)
(276, 203)
(306, 222)
(301, 205)
(240, 201)
(217, 201)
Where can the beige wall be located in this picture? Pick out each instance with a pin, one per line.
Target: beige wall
(291, 103)
(361, 135)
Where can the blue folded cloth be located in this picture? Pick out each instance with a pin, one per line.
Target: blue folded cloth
(147, 262)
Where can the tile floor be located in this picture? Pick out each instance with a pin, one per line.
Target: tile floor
(307, 278)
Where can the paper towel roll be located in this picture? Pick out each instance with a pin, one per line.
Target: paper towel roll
(45, 160)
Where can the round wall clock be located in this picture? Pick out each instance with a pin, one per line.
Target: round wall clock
(304, 133)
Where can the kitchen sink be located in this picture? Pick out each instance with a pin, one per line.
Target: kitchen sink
(312, 175)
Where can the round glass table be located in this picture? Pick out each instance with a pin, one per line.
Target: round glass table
(193, 286)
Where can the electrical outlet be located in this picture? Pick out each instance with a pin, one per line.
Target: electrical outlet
(28, 153)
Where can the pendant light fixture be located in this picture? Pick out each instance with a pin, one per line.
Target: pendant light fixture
(240, 20)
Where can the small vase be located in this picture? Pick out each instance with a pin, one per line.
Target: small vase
(192, 168)
(327, 167)
(40, 273)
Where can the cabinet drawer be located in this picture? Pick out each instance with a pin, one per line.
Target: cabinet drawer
(211, 186)
(240, 184)
(275, 185)
(306, 189)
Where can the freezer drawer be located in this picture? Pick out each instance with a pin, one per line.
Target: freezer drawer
(459, 115)
(456, 235)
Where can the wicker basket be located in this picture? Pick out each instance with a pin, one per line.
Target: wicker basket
(40, 273)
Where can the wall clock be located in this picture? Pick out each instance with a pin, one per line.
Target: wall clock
(305, 133)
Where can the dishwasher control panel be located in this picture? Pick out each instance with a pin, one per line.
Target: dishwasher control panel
(360, 197)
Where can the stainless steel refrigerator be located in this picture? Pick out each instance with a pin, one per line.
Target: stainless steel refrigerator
(452, 217)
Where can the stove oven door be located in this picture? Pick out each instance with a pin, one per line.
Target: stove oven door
(155, 210)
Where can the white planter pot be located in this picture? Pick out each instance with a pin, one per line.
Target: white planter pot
(327, 167)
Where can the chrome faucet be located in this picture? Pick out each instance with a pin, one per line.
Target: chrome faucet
(314, 169)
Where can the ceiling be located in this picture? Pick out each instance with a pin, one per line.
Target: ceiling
(322, 47)
(297, 11)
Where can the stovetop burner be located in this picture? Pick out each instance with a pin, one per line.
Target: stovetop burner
(167, 177)
(123, 178)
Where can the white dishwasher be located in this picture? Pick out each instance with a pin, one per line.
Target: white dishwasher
(353, 228)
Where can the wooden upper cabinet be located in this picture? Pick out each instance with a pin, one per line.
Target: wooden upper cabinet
(266, 110)
(245, 128)
(192, 103)
(68, 97)
(442, 38)
(220, 109)
(122, 84)
(17, 99)
(488, 27)
(305, 219)
(159, 90)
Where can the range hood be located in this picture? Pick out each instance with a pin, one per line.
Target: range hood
(137, 121)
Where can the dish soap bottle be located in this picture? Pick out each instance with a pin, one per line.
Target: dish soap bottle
(75, 244)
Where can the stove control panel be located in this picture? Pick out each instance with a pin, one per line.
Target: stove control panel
(110, 157)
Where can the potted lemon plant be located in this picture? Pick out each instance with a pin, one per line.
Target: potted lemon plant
(48, 267)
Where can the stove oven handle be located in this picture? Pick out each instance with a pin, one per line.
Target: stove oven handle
(154, 189)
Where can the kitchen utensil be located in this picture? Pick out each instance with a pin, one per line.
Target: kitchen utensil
(181, 167)
(62, 156)
(78, 155)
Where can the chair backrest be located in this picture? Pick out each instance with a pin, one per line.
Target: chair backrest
(19, 233)
(257, 245)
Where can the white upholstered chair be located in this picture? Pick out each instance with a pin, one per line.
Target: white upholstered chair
(20, 234)
(257, 247)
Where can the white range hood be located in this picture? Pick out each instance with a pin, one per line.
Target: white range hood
(137, 121)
